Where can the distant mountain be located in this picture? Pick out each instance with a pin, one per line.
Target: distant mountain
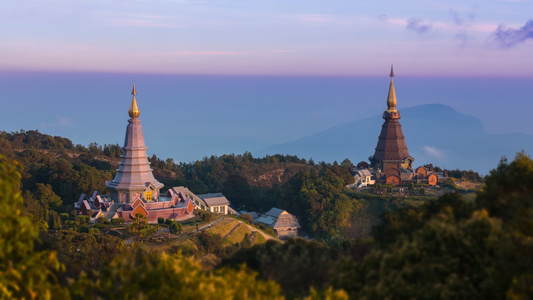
(434, 133)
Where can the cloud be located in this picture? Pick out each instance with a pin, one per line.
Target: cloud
(60, 122)
(144, 23)
(433, 152)
(417, 25)
(510, 37)
(208, 53)
(313, 18)
(458, 19)
(282, 51)
(463, 37)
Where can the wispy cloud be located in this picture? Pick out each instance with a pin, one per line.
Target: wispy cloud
(313, 18)
(382, 17)
(142, 20)
(417, 25)
(433, 152)
(60, 122)
(460, 19)
(282, 51)
(144, 23)
(208, 53)
(510, 37)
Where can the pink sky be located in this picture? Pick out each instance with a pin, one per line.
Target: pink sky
(448, 38)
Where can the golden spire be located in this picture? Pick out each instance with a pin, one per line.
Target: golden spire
(391, 99)
(134, 109)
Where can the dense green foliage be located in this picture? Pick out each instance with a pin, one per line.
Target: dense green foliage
(423, 247)
(466, 175)
(297, 265)
(24, 272)
(83, 251)
(452, 248)
(447, 248)
(169, 277)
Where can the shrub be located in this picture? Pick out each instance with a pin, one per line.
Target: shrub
(247, 218)
(64, 216)
(107, 222)
(176, 227)
(82, 219)
(146, 232)
(94, 230)
(268, 230)
(101, 220)
(160, 220)
(99, 226)
(116, 221)
(168, 221)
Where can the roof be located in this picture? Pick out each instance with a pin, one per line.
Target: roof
(357, 177)
(278, 218)
(214, 199)
(274, 212)
(187, 192)
(364, 172)
(210, 195)
(267, 220)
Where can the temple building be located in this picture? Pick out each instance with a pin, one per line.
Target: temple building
(391, 162)
(134, 190)
(134, 177)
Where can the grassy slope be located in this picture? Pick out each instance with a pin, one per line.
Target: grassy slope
(231, 230)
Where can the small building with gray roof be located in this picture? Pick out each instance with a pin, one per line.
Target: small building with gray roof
(285, 224)
(215, 202)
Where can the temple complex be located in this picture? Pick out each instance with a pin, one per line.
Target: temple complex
(134, 190)
(391, 162)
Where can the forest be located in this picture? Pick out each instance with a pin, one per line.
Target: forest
(447, 246)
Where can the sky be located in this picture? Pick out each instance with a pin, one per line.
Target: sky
(242, 37)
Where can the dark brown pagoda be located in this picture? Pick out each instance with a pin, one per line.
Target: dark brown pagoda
(391, 155)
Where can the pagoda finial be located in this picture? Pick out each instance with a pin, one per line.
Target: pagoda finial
(391, 99)
(134, 109)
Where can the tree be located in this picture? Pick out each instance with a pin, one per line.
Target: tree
(444, 259)
(176, 227)
(138, 225)
(54, 221)
(446, 249)
(239, 192)
(508, 193)
(147, 277)
(47, 197)
(24, 272)
(295, 265)
(346, 163)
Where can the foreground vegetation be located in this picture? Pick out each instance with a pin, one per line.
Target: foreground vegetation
(447, 248)
(375, 244)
